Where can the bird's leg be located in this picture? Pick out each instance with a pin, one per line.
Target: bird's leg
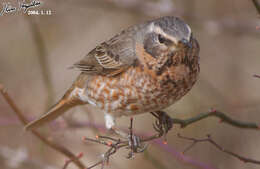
(134, 141)
(163, 123)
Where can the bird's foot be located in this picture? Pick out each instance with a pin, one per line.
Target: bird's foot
(134, 142)
(135, 145)
(163, 123)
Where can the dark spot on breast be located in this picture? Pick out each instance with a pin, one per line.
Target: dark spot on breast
(182, 83)
(167, 80)
(168, 63)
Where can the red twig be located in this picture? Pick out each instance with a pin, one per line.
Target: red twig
(211, 141)
(113, 147)
(133, 143)
(257, 76)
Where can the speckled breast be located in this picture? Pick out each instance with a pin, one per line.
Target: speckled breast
(138, 91)
(146, 86)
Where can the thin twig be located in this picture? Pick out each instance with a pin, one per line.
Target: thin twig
(71, 161)
(184, 123)
(157, 142)
(224, 118)
(48, 142)
(211, 141)
(113, 147)
(116, 144)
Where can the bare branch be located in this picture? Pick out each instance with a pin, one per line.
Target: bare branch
(184, 123)
(48, 142)
(116, 144)
(162, 125)
(67, 162)
(113, 147)
(224, 118)
(211, 141)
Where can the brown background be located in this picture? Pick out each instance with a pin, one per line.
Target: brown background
(229, 54)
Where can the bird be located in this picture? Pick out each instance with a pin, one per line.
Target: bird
(144, 68)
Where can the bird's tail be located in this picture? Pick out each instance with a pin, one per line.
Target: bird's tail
(69, 100)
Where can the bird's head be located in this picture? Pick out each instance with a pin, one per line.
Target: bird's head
(168, 33)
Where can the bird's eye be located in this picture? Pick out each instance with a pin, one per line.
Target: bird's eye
(161, 39)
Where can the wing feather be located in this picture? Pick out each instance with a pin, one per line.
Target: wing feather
(111, 57)
(108, 62)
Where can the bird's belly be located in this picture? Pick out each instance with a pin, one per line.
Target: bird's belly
(133, 92)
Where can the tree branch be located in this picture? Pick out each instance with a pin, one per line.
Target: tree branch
(211, 141)
(48, 142)
(133, 143)
(224, 118)
(67, 162)
(116, 144)
(159, 127)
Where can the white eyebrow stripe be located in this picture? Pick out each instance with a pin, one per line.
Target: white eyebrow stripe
(158, 30)
(189, 31)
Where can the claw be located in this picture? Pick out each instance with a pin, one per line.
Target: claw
(141, 149)
(134, 142)
(163, 123)
(156, 127)
(135, 145)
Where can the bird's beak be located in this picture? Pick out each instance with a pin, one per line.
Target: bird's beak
(186, 43)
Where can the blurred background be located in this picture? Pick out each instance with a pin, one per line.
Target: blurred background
(36, 51)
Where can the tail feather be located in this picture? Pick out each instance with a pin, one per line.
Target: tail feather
(69, 100)
(57, 110)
